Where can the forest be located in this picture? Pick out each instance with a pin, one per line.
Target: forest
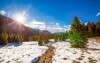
(78, 34)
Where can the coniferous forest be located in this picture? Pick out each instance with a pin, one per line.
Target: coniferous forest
(78, 30)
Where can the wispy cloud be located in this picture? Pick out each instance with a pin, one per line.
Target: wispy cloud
(98, 14)
(37, 24)
(67, 27)
(57, 28)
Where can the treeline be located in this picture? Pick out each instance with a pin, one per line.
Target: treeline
(88, 29)
(93, 29)
(79, 32)
(60, 37)
(6, 38)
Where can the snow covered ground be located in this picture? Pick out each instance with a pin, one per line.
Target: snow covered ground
(28, 52)
(64, 54)
(21, 53)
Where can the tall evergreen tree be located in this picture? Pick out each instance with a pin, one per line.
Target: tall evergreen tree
(93, 26)
(46, 39)
(63, 37)
(40, 40)
(76, 34)
(90, 33)
(3, 38)
(55, 38)
(98, 29)
(76, 25)
(17, 39)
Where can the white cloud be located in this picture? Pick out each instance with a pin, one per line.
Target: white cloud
(98, 14)
(52, 30)
(3, 12)
(57, 28)
(37, 24)
(67, 27)
(57, 23)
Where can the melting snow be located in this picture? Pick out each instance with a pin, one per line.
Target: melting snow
(25, 52)
(63, 50)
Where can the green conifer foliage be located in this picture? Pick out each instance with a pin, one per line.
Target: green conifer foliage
(40, 40)
(46, 39)
(55, 38)
(76, 40)
(3, 38)
(90, 34)
(17, 39)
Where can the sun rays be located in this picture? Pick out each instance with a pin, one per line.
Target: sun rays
(20, 17)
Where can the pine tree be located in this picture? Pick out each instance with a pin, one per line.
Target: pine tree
(76, 40)
(29, 38)
(93, 26)
(63, 37)
(17, 39)
(46, 39)
(3, 38)
(77, 34)
(76, 26)
(40, 40)
(98, 29)
(90, 33)
(11, 38)
(21, 38)
(60, 37)
(55, 38)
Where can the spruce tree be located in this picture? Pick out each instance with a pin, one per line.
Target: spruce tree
(76, 40)
(76, 25)
(17, 39)
(3, 38)
(63, 37)
(77, 34)
(90, 33)
(46, 39)
(55, 38)
(40, 40)
(98, 29)
(93, 26)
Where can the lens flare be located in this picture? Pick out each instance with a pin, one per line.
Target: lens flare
(20, 17)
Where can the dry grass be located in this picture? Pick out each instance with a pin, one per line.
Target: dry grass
(96, 38)
(92, 60)
(74, 61)
(64, 58)
(80, 58)
(47, 57)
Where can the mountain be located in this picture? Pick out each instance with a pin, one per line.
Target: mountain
(11, 26)
(45, 32)
(59, 33)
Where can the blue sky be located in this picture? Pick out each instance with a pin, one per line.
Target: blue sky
(53, 13)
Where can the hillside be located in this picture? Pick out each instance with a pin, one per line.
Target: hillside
(11, 26)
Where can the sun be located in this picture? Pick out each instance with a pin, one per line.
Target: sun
(20, 17)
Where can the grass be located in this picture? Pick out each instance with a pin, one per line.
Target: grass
(92, 60)
(80, 58)
(74, 61)
(96, 38)
(64, 58)
(47, 57)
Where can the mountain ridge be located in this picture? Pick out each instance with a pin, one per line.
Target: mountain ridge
(11, 26)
